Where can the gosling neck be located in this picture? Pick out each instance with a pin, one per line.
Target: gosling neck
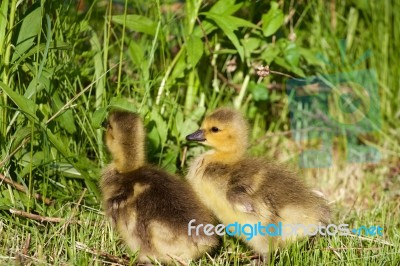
(128, 152)
(131, 158)
(227, 157)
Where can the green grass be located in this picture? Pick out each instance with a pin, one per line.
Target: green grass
(63, 69)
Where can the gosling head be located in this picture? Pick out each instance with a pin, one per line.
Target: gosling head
(225, 130)
(125, 138)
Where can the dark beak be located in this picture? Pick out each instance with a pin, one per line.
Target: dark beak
(196, 136)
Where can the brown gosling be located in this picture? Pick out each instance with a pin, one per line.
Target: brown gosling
(238, 188)
(149, 208)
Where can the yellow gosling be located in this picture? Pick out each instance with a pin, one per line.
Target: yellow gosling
(239, 188)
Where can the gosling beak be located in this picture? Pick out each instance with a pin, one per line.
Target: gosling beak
(196, 136)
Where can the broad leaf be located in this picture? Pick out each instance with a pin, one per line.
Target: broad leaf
(24, 104)
(122, 103)
(98, 117)
(66, 119)
(272, 20)
(225, 7)
(189, 126)
(194, 49)
(137, 23)
(162, 127)
(136, 53)
(30, 28)
(258, 91)
(228, 26)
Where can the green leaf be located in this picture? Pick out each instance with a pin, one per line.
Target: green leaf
(24, 104)
(136, 53)
(98, 117)
(35, 86)
(225, 7)
(272, 20)
(98, 68)
(189, 126)
(197, 113)
(298, 71)
(225, 51)
(222, 7)
(178, 125)
(30, 28)
(310, 57)
(194, 49)
(58, 144)
(153, 137)
(36, 160)
(122, 103)
(3, 23)
(137, 23)
(169, 160)
(19, 136)
(47, 47)
(81, 164)
(292, 54)
(270, 53)
(239, 22)
(68, 170)
(206, 27)
(191, 8)
(162, 127)
(250, 44)
(352, 23)
(66, 119)
(363, 5)
(59, 45)
(179, 69)
(258, 91)
(226, 24)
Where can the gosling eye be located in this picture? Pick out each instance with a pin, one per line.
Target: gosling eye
(215, 129)
(107, 125)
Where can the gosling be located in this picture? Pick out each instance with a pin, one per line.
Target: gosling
(238, 188)
(149, 208)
